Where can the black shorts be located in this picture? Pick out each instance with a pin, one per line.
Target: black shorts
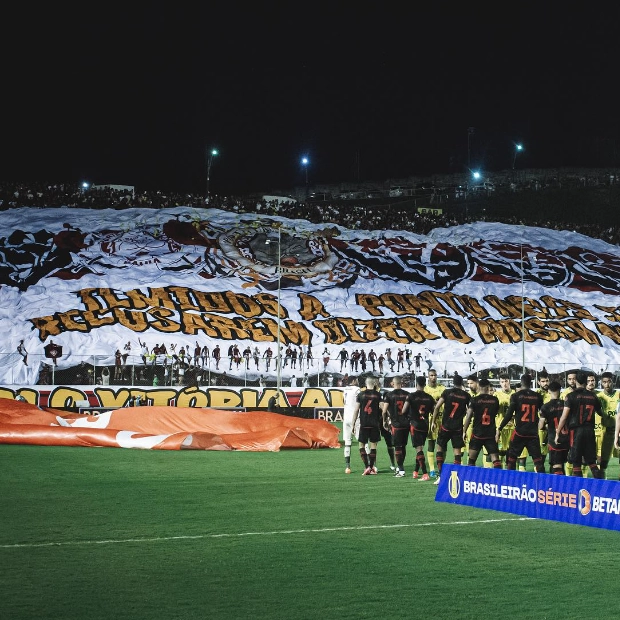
(444, 436)
(582, 446)
(558, 456)
(518, 442)
(418, 437)
(400, 436)
(477, 443)
(369, 434)
(387, 435)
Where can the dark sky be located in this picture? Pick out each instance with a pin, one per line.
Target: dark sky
(138, 97)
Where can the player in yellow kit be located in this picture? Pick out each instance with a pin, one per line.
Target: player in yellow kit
(435, 390)
(610, 399)
(598, 424)
(571, 381)
(543, 386)
(503, 395)
(543, 390)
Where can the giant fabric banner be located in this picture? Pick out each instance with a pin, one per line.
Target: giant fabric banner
(582, 501)
(77, 282)
(163, 428)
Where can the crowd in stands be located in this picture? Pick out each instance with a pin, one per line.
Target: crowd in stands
(349, 214)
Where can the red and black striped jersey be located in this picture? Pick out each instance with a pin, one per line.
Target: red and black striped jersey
(370, 412)
(525, 404)
(454, 409)
(396, 401)
(484, 408)
(420, 410)
(583, 405)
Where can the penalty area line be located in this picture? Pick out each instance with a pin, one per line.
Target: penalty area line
(350, 528)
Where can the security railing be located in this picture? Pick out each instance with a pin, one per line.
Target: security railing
(322, 371)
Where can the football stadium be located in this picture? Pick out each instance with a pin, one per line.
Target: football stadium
(225, 485)
(309, 312)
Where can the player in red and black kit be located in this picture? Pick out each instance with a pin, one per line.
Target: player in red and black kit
(419, 408)
(550, 415)
(524, 407)
(394, 418)
(579, 409)
(455, 401)
(386, 431)
(483, 410)
(369, 411)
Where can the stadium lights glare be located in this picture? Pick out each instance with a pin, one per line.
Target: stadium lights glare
(476, 175)
(85, 185)
(304, 162)
(213, 153)
(518, 149)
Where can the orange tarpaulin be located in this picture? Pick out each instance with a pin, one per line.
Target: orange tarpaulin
(163, 428)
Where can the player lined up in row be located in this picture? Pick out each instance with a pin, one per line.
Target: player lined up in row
(576, 427)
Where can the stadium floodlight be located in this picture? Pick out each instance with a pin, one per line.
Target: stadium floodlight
(518, 149)
(85, 185)
(304, 162)
(213, 153)
(476, 175)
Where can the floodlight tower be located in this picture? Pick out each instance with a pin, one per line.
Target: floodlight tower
(211, 154)
(518, 149)
(304, 162)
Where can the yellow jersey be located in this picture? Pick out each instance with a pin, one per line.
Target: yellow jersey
(545, 394)
(609, 405)
(504, 401)
(565, 392)
(436, 391)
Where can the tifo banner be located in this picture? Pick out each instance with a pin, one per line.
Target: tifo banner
(163, 428)
(113, 283)
(582, 501)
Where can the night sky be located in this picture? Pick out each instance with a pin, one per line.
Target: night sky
(138, 97)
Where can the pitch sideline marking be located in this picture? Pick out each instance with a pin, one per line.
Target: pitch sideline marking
(242, 534)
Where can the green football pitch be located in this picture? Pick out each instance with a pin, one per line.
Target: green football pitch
(114, 533)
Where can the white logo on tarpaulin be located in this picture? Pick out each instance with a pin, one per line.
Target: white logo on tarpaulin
(454, 485)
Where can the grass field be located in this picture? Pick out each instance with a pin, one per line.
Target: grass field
(115, 533)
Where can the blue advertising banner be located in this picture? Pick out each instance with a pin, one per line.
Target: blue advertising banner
(583, 501)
